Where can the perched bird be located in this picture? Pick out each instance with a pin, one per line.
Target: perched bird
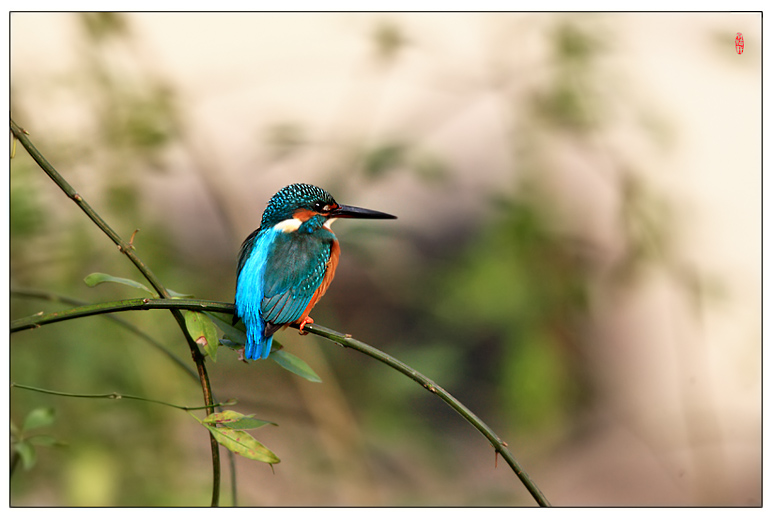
(287, 264)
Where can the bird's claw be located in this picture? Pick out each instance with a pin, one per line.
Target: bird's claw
(304, 322)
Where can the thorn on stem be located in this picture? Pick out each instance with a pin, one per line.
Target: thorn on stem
(131, 240)
(496, 462)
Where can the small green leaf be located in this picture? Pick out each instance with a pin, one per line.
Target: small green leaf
(40, 417)
(96, 278)
(233, 333)
(235, 420)
(249, 423)
(294, 364)
(203, 331)
(224, 418)
(242, 443)
(27, 453)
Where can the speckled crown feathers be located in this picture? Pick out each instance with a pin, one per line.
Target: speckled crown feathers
(290, 198)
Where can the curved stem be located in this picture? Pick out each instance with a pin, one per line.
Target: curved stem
(500, 447)
(112, 396)
(344, 340)
(40, 319)
(128, 250)
(58, 298)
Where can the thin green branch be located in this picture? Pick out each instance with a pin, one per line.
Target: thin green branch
(499, 446)
(128, 250)
(115, 396)
(40, 319)
(344, 340)
(58, 298)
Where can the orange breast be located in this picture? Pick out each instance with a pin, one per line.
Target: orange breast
(332, 264)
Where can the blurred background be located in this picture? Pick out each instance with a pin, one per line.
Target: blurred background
(577, 256)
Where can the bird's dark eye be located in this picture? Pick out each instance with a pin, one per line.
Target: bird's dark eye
(323, 207)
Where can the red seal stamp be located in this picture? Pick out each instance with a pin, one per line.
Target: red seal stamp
(739, 43)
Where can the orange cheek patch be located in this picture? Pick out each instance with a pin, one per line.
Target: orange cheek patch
(303, 214)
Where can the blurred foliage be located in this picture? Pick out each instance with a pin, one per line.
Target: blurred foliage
(26, 209)
(101, 26)
(24, 439)
(381, 160)
(570, 101)
(529, 292)
(283, 139)
(132, 121)
(497, 310)
(389, 40)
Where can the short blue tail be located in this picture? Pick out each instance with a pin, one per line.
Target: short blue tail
(258, 346)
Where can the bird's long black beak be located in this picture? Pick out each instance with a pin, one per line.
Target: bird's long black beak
(347, 211)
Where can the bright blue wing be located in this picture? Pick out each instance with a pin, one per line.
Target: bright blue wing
(249, 292)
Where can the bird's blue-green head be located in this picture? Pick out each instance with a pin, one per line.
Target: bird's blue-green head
(304, 201)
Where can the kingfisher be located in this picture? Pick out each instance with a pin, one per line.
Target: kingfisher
(287, 264)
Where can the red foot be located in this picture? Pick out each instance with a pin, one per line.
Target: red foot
(304, 322)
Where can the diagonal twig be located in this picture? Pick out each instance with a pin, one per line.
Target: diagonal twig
(127, 249)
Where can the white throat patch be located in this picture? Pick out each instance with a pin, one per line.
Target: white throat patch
(290, 225)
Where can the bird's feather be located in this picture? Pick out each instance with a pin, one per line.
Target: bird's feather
(244, 252)
(294, 271)
(281, 275)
